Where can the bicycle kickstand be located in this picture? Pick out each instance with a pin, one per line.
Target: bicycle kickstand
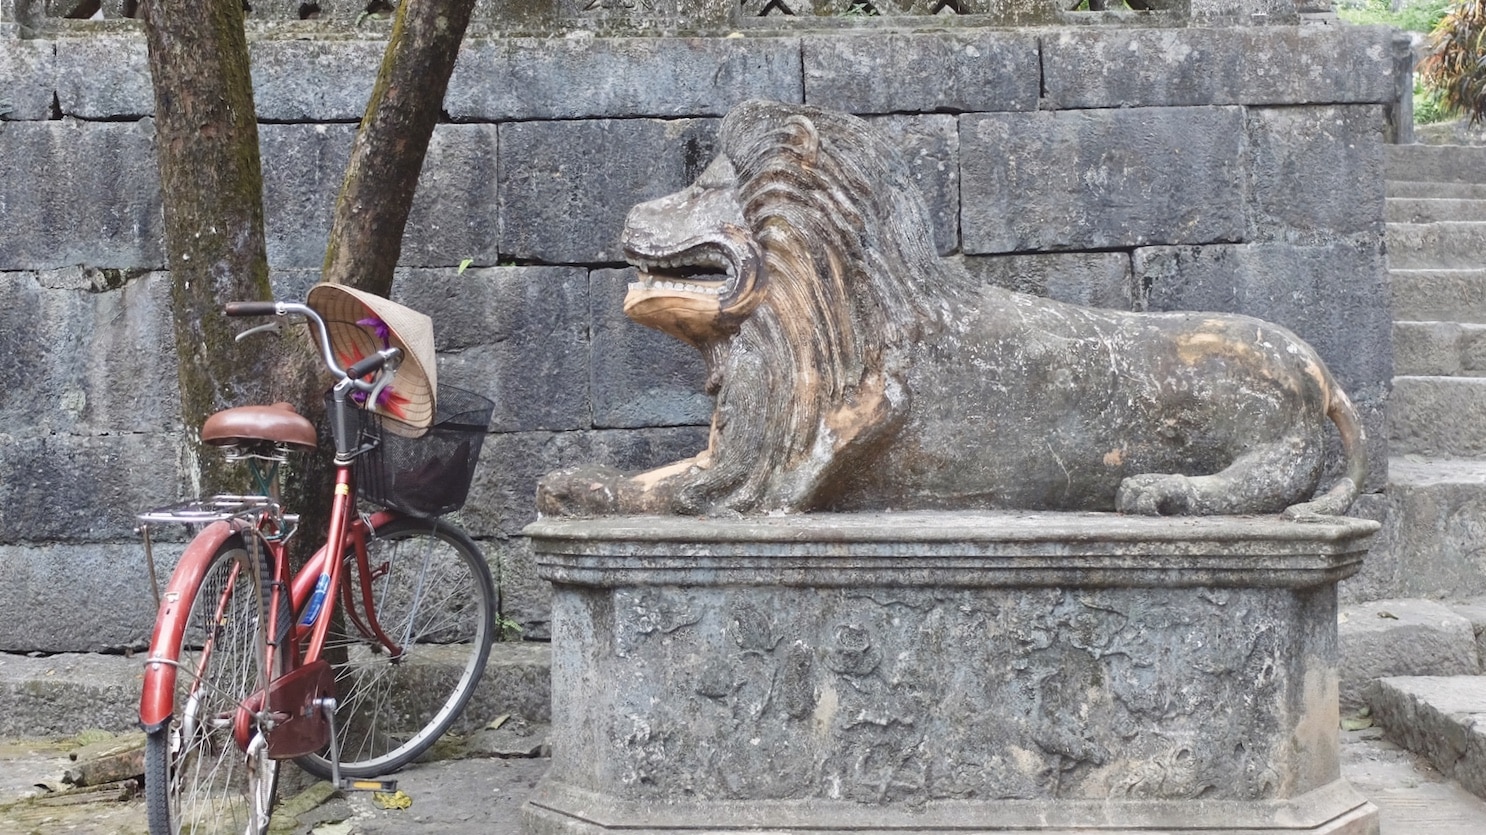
(327, 706)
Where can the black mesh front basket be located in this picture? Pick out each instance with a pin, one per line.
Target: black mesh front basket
(430, 474)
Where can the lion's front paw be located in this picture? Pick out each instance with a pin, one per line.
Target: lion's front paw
(579, 491)
(1156, 494)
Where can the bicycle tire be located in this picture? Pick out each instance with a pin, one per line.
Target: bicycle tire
(197, 778)
(389, 712)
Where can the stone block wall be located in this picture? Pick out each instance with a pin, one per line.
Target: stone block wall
(1135, 166)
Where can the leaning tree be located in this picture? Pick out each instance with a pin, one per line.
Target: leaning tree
(212, 190)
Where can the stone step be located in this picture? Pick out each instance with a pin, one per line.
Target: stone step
(1401, 637)
(1412, 797)
(1440, 417)
(1438, 295)
(1435, 163)
(1430, 546)
(1442, 718)
(1434, 209)
(1439, 349)
(1452, 245)
(1411, 188)
(60, 695)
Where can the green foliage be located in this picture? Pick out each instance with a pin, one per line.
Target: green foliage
(507, 629)
(1456, 64)
(1418, 16)
(1428, 108)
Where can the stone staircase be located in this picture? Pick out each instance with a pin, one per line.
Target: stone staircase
(1415, 659)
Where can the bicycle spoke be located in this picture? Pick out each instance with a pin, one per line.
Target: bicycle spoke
(210, 784)
(433, 597)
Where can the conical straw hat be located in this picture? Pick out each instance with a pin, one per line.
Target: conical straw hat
(355, 320)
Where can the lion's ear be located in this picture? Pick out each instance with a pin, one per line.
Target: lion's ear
(803, 137)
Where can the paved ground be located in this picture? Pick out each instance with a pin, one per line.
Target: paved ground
(483, 796)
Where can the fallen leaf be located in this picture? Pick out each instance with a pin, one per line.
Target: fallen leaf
(396, 800)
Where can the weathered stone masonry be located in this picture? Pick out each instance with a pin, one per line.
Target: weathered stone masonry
(1139, 166)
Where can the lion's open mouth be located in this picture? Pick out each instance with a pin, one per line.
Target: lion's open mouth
(700, 268)
(703, 270)
(697, 294)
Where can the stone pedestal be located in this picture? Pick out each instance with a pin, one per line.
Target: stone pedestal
(946, 672)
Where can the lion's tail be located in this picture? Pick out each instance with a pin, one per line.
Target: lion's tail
(1339, 497)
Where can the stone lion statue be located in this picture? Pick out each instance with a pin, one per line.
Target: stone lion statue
(855, 369)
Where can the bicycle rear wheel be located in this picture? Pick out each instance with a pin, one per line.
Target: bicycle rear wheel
(197, 778)
(435, 599)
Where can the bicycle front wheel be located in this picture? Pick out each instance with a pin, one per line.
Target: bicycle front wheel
(198, 778)
(433, 597)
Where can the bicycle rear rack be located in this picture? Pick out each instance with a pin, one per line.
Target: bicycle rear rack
(210, 509)
(223, 507)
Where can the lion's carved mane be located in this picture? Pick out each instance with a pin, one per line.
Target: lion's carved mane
(855, 368)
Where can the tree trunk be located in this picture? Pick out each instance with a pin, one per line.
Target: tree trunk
(212, 190)
(387, 157)
(211, 185)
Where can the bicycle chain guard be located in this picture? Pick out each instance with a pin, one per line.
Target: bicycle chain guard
(300, 727)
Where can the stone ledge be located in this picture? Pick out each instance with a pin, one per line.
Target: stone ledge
(1401, 638)
(1162, 67)
(60, 695)
(1336, 809)
(1441, 717)
(317, 75)
(1091, 550)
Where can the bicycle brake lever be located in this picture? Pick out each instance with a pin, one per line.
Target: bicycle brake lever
(270, 327)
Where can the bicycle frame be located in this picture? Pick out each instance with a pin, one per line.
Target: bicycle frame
(305, 643)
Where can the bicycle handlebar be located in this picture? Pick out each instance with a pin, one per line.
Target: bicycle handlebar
(372, 363)
(251, 308)
(354, 374)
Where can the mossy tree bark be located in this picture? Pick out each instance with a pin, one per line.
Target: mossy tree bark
(387, 157)
(212, 184)
(212, 190)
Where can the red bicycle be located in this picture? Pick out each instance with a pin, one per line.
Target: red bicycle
(358, 662)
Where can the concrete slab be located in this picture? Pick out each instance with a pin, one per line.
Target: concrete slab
(1435, 163)
(1453, 244)
(1399, 638)
(482, 796)
(61, 695)
(1437, 416)
(1412, 797)
(1435, 209)
(1434, 520)
(1455, 349)
(1442, 718)
(1426, 295)
(1474, 610)
(1410, 188)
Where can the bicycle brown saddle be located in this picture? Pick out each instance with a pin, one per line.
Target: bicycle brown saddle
(278, 423)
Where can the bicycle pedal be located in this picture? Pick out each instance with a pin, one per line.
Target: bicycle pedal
(386, 786)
